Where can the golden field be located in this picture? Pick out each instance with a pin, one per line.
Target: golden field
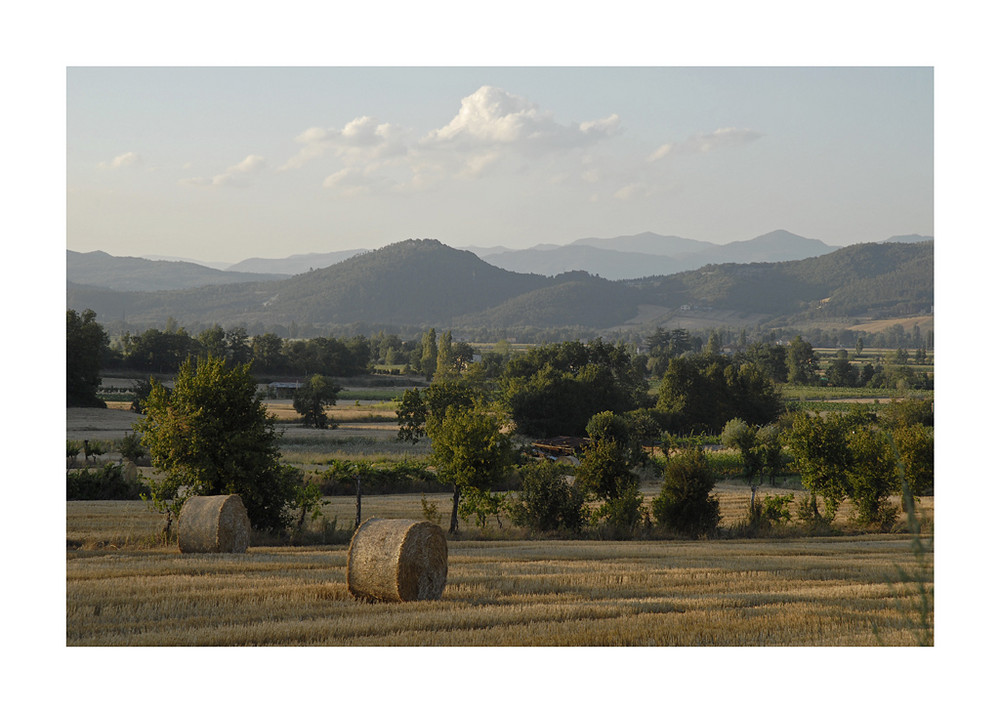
(831, 591)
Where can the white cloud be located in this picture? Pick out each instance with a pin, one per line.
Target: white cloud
(361, 139)
(123, 161)
(703, 143)
(233, 176)
(492, 117)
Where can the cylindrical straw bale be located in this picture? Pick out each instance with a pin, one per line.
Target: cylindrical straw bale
(213, 523)
(397, 561)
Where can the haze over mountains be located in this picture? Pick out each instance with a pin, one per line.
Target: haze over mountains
(423, 282)
(622, 257)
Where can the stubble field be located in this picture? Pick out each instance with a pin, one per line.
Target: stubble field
(124, 589)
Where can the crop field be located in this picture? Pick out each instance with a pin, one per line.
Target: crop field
(796, 592)
(126, 587)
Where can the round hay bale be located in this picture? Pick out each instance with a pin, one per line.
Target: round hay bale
(213, 523)
(397, 561)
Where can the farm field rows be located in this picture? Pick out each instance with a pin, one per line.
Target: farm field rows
(124, 589)
(808, 592)
(837, 591)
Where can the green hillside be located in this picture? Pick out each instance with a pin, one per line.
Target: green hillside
(422, 282)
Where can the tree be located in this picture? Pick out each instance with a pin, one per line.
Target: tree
(427, 364)
(685, 503)
(702, 393)
(548, 502)
(86, 343)
(212, 435)
(848, 456)
(312, 398)
(801, 362)
(420, 411)
(445, 367)
(470, 450)
(606, 471)
(555, 389)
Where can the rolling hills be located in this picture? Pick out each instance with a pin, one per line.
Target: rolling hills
(423, 282)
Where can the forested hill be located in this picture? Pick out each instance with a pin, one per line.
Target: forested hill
(866, 280)
(423, 282)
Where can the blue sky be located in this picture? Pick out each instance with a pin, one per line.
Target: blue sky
(222, 164)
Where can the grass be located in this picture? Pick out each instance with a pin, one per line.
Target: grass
(126, 587)
(819, 592)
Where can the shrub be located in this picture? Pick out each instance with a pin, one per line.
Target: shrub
(685, 504)
(72, 451)
(131, 447)
(767, 513)
(106, 483)
(622, 514)
(547, 500)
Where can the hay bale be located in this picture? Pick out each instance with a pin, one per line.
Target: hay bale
(397, 561)
(213, 523)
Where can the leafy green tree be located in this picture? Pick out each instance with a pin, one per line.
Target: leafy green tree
(915, 445)
(821, 454)
(547, 500)
(847, 456)
(86, 344)
(685, 504)
(802, 362)
(266, 353)
(446, 367)
(212, 435)
(312, 399)
(702, 393)
(770, 359)
(606, 471)
(212, 342)
(470, 450)
(554, 390)
(842, 373)
(419, 410)
(428, 354)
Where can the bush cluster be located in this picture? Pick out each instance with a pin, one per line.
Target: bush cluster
(106, 483)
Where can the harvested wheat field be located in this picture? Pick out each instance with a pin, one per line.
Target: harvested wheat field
(805, 592)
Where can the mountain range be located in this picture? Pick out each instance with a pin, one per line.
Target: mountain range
(622, 257)
(423, 282)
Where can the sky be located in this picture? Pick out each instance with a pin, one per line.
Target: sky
(221, 164)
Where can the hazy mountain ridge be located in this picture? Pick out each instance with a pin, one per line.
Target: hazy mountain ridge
(423, 282)
(647, 254)
(136, 274)
(293, 264)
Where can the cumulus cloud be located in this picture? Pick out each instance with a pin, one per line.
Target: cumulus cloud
(492, 117)
(703, 143)
(235, 175)
(493, 132)
(361, 139)
(123, 161)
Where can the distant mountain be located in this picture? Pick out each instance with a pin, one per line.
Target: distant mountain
(908, 239)
(169, 258)
(423, 282)
(646, 254)
(609, 264)
(648, 244)
(294, 264)
(136, 274)
(776, 246)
